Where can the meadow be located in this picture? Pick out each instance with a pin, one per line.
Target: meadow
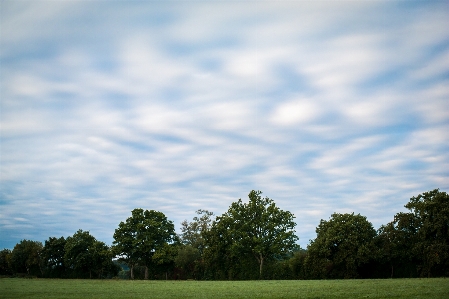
(377, 288)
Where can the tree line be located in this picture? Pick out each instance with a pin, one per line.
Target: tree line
(251, 240)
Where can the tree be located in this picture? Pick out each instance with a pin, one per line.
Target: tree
(26, 257)
(137, 239)
(53, 256)
(186, 258)
(165, 257)
(342, 246)
(125, 245)
(84, 254)
(258, 228)
(192, 237)
(5, 257)
(192, 232)
(421, 236)
(431, 211)
(393, 242)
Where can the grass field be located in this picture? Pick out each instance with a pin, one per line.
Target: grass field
(58, 288)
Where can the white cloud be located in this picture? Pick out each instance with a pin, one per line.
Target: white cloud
(295, 112)
(323, 106)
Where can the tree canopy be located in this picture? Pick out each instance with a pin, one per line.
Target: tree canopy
(258, 228)
(342, 246)
(144, 233)
(252, 239)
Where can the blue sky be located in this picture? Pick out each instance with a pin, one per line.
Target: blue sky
(325, 106)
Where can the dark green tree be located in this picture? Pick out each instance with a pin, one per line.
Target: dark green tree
(186, 259)
(431, 213)
(257, 228)
(26, 258)
(343, 245)
(5, 257)
(125, 244)
(419, 239)
(137, 239)
(84, 255)
(77, 257)
(221, 257)
(192, 232)
(53, 257)
(393, 243)
(164, 257)
(190, 258)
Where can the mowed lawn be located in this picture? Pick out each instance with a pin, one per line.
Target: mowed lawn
(73, 288)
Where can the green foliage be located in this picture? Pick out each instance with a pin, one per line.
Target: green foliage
(190, 258)
(143, 234)
(164, 257)
(53, 257)
(253, 240)
(257, 228)
(342, 246)
(187, 259)
(435, 288)
(26, 258)
(419, 239)
(192, 232)
(86, 257)
(5, 262)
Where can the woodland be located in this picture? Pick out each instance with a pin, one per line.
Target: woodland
(252, 240)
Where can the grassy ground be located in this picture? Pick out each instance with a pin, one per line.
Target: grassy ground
(58, 288)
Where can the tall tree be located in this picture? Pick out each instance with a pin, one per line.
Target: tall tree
(343, 244)
(164, 257)
(192, 232)
(53, 256)
(125, 245)
(5, 257)
(421, 235)
(186, 258)
(86, 255)
(190, 255)
(258, 228)
(137, 239)
(77, 257)
(431, 211)
(26, 257)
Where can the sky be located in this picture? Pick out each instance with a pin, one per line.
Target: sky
(175, 106)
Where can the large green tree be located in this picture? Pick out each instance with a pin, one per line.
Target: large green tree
(192, 232)
(140, 236)
(26, 258)
(343, 245)
(420, 237)
(431, 213)
(164, 257)
(53, 256)
(86, 255)
(258, 228)
(5, 257)
(190, 253)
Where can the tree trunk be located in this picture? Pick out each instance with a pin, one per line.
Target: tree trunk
(260, 266)
(391, 271)
(146, 272)
(132, 271)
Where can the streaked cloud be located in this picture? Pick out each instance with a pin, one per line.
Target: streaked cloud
(325, 106)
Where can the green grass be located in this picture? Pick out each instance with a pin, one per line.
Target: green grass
(58, 288)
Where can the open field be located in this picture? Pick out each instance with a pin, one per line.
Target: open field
(58, 288)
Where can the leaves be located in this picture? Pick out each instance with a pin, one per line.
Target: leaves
(143, 234)
(343, 243)
(258, 228)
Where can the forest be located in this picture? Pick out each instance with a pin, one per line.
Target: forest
(251, 240)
